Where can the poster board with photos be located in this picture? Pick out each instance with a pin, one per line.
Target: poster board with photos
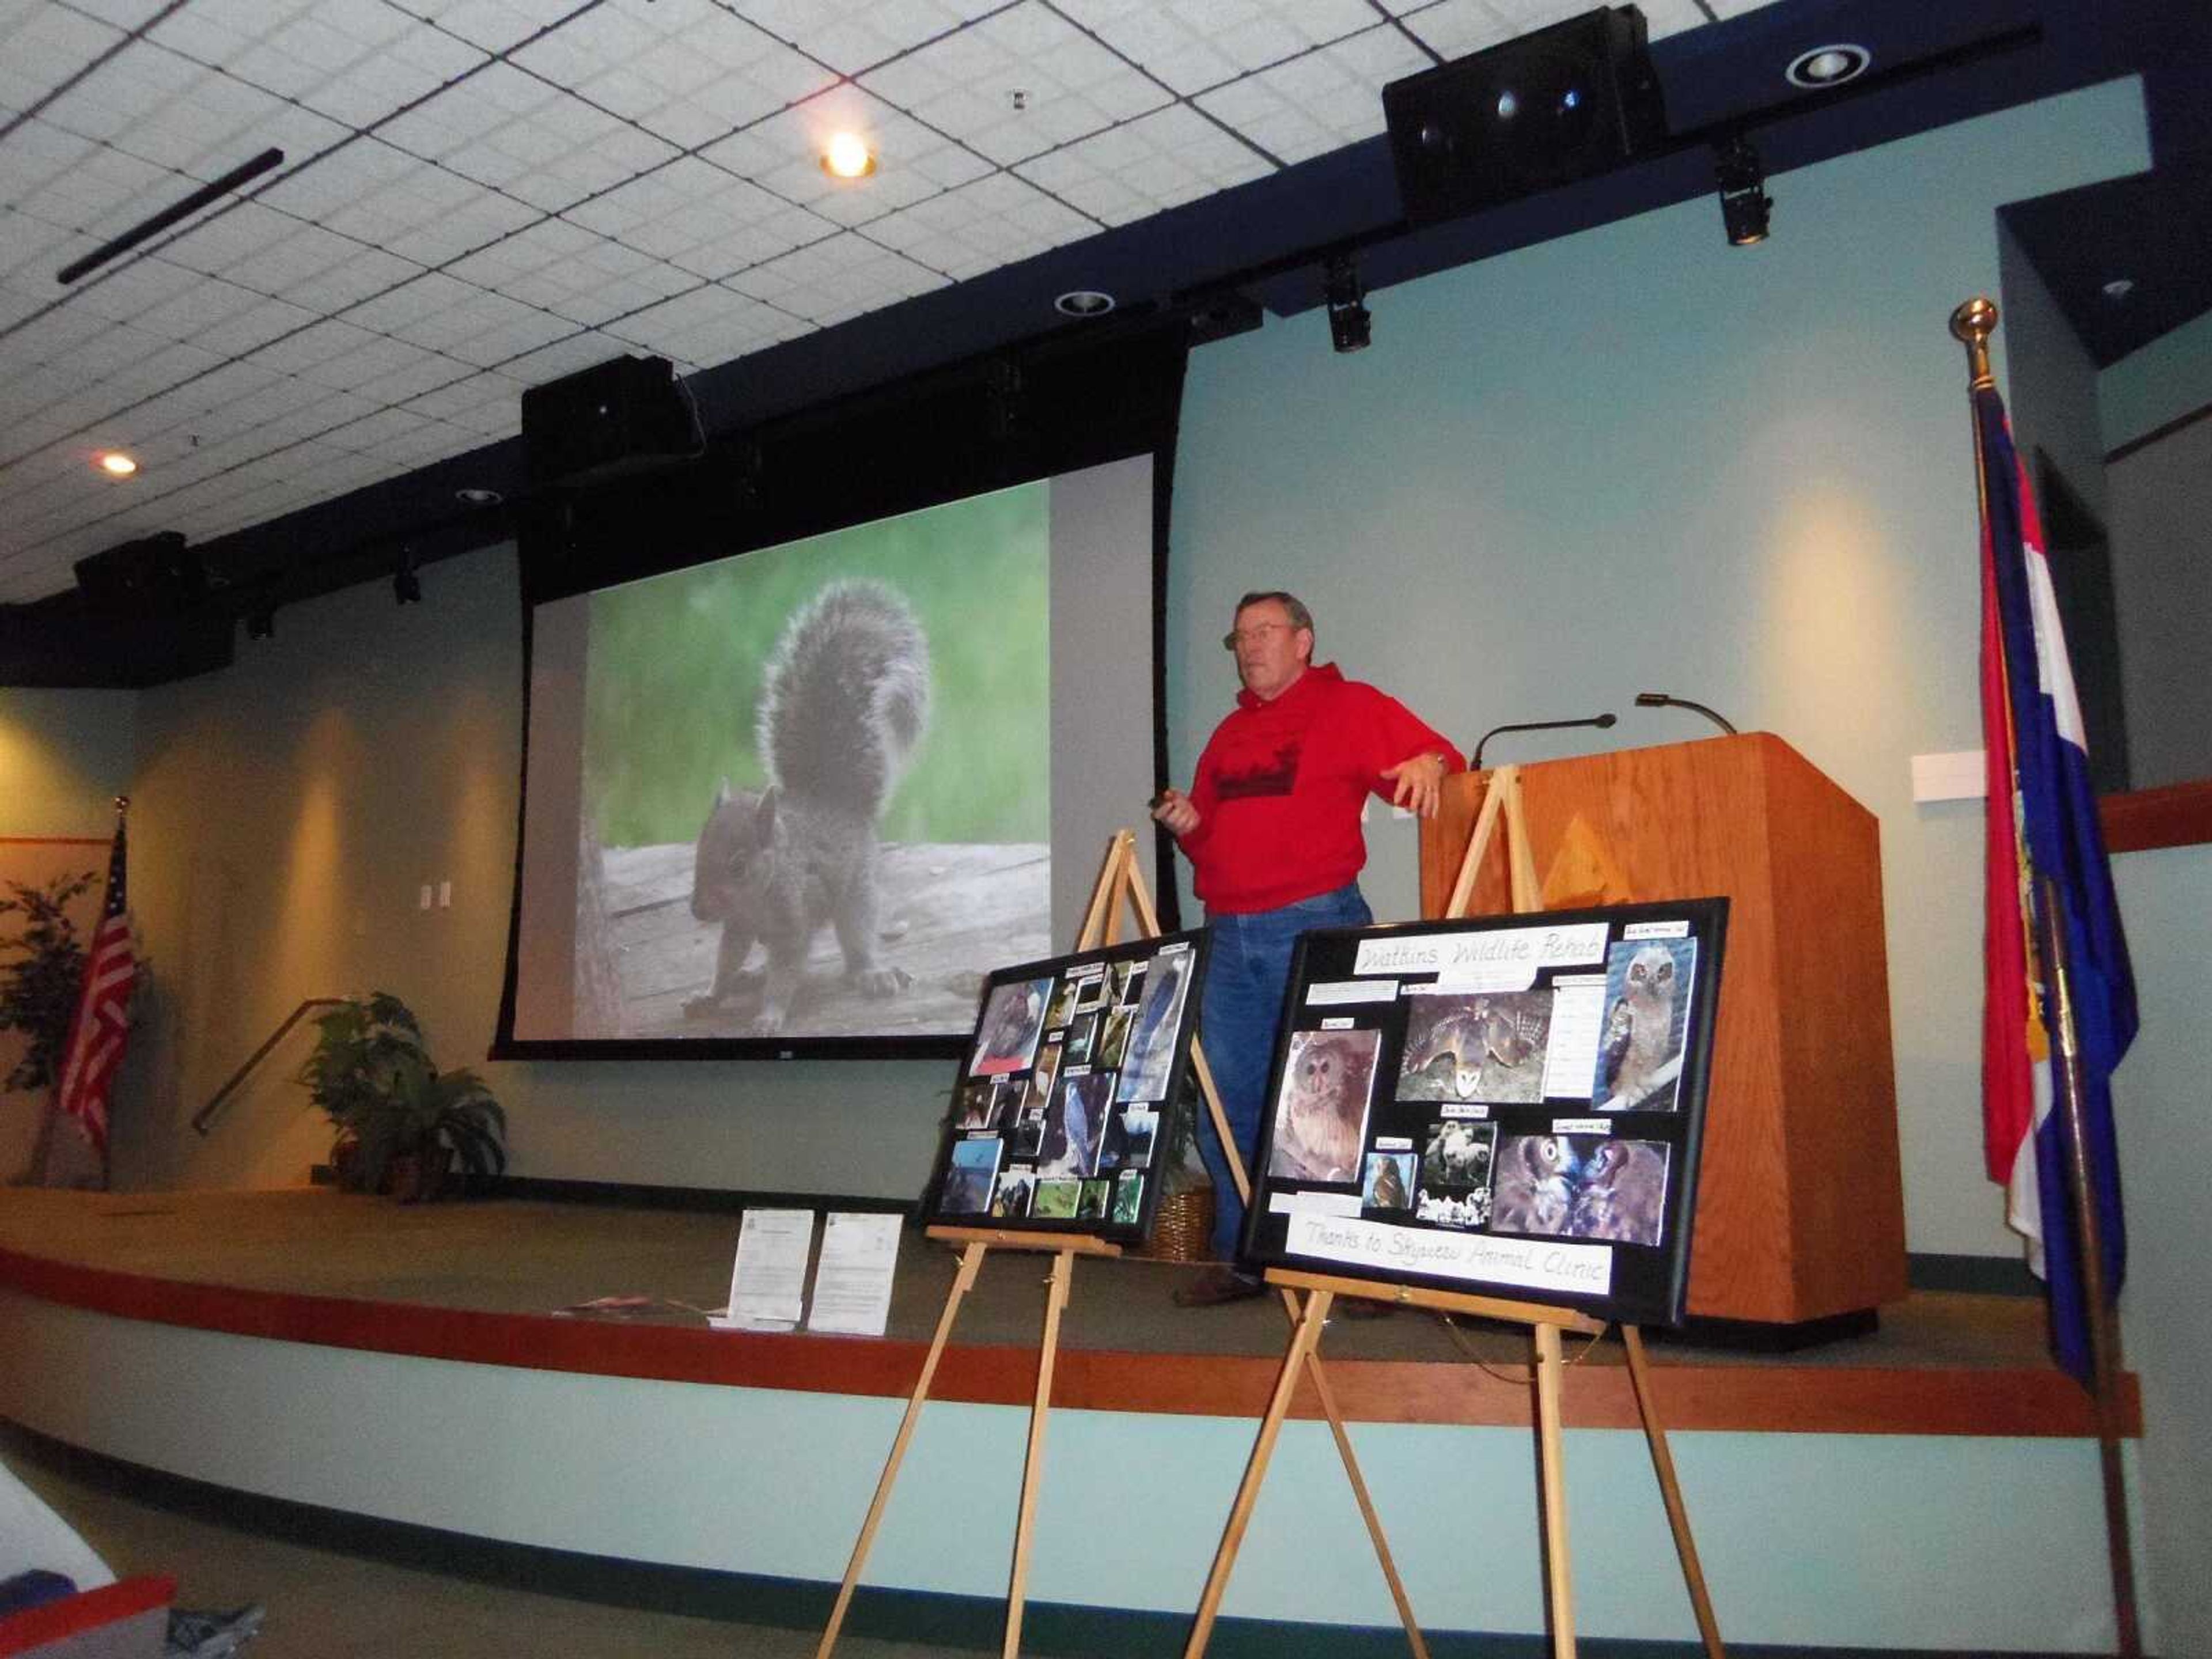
(1504, 1106)
(1059, 1120)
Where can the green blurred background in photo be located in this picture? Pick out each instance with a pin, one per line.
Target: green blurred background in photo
(674, 673)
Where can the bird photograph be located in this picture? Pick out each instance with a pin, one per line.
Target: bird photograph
(1647, 1005)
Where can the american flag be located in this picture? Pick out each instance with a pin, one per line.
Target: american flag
(2049, 881)
(100, 1026)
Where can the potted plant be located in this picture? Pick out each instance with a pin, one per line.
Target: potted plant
(402, 1123)
(39, 989)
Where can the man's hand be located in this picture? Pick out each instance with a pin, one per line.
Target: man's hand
(1173, 809)
(1419, 782)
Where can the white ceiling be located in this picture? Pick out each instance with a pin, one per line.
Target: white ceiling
(479, 196)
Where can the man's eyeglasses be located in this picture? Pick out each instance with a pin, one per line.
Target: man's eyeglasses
(1255, 634)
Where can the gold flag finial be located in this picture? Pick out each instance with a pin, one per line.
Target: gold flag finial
(1971, 325)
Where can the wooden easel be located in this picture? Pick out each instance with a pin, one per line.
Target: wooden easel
(1120, 881)
(1501, 803)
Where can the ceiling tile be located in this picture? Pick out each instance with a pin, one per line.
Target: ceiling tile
(1167, 42)
(495, 25)
(562, 357)
(43, 47)
(688, 71)
(577, 274)
(101, 194)
(852, 35)
(229, 235)
(994, 221)
(1456, 28)
(709, 326)
(836, 278)
(1016, 84)
(129, 289)
(1320, 100)
(427, 374)
(1159, 161)
(202, 127)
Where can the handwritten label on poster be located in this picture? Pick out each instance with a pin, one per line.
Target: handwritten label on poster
(1532, 1264)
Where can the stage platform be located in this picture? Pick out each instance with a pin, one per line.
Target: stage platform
(226, 1337)
(489, 1282)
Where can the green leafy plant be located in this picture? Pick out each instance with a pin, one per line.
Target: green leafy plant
(39, 989)
(372, 1074)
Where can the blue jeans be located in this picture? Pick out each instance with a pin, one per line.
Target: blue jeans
(1246, 975)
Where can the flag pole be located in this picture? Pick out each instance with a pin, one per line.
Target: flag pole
(1971, 325)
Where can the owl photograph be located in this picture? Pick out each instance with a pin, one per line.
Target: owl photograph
(1620, 1192)
(1321, 1112)
(1008, 1034)
(1533, 1188)
(1647, 1007)
(1489, 1047)
(1388, 1182)
(1590, 1187)
(1454, 1189)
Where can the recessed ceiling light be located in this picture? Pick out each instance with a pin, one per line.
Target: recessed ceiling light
(116, 463)
(847, 157)
(1828, 66)
(1084, 302)
(474, 497)
(2119, 287)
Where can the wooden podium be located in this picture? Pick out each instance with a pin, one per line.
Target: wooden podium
(1800, 1208)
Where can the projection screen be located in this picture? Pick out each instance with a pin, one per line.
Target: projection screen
(802, 800)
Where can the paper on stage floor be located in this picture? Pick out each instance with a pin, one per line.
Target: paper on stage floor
(769, 1280)
(852, 1282)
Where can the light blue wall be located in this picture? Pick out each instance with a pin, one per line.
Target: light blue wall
(2165, 1144)
(2166, 380)
(1852, 1540)
(1641, 458)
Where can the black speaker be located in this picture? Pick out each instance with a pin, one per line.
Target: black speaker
(1568, 101)
(154, 576)
(623, 415)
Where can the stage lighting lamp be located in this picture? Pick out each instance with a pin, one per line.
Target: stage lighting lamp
(1744, 204)
(1350, 327)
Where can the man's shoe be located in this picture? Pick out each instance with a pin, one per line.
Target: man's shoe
(212, 1635)
(1217, 1285)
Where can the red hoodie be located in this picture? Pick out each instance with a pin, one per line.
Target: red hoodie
(1279, 787)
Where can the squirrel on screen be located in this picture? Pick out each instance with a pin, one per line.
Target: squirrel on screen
(843, 701)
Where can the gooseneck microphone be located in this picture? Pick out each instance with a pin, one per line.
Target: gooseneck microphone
(1598, 720)
(1661, 700)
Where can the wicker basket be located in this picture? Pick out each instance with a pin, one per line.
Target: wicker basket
(1182, 1228)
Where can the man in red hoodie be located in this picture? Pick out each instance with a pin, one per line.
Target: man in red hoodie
(1271, 827)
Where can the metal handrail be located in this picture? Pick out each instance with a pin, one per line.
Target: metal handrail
(205, 1115)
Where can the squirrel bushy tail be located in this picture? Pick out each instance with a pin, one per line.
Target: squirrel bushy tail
(844, 699)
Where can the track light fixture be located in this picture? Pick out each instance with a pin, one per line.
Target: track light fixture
(1350, 327)
(406, 586)
(1745, 203)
